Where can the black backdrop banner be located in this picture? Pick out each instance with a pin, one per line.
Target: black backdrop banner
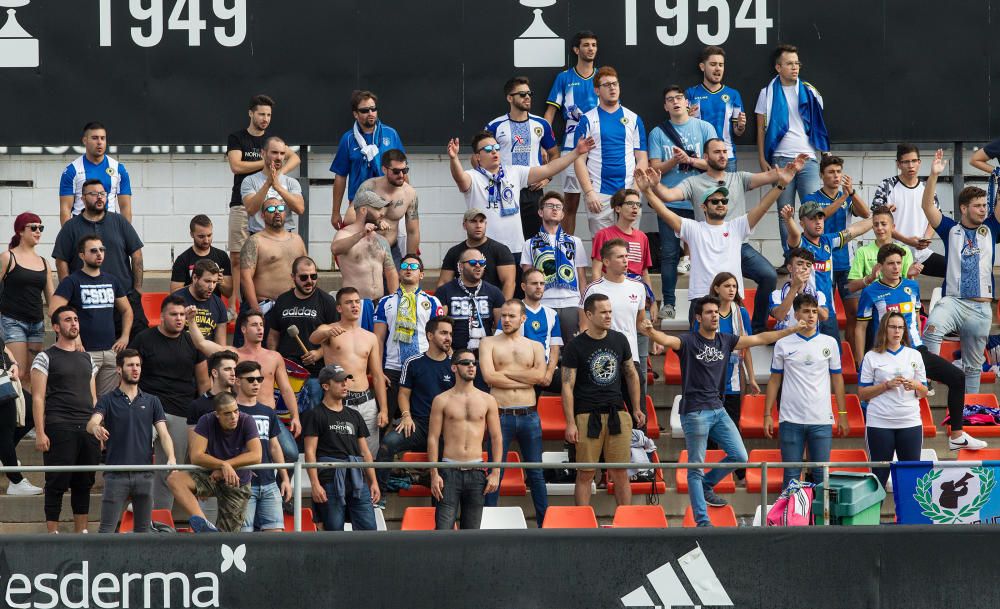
(169, 72)
(817, 568)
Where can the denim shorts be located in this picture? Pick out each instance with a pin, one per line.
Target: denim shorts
(17, 331)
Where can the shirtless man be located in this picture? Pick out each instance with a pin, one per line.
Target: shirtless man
(363, 255)
(356, 351)
(513, 365)
(266, 258)
(272, 365)
(402, 201)
(462, 414)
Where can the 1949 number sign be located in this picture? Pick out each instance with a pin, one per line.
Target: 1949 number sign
(185, 16)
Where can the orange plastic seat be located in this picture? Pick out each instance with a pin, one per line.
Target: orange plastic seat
(719, 516)
(841, 313)
(726, 485)
(976, 431)
(639, 517)
(855, 416)
(752, 416)
(652, 423)
(418, 519)
(774, 474)
(951, 350)
(415, 490)
(569, 517)
(512, 484)
(749, 295)
(838, 455)
(985, 454)
(127, 524)
(550, 414)
(645, 488)
(848, 365)
(671, 368)
(927, 419)
(151, 303)
(308, 526)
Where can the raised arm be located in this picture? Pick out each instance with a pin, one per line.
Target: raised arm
(768, 338)
(544, 172)
(757, 213)
(202, 344)
(462, 179)
(937, 166)
(644, 181)
(980, 160)
(661, 338)
(794, 238)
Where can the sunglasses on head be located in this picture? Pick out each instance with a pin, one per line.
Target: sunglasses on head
(409, 266)
(308, 276)
(274, 208)
(490, 148)
(252, 379)
(35, 227)
(479, 262)
(367, 110)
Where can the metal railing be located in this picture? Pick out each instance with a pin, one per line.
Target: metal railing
(299, 466)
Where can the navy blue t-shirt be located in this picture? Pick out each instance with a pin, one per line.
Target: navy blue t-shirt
(460, 308)
(94, 301)
(130, 426)
(426, 378)
(267, 426)
(211, 312)
(703, 369)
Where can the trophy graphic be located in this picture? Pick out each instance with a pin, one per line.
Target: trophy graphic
(17, 48)
(538, 46)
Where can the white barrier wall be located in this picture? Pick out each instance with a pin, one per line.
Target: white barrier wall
(168, 189)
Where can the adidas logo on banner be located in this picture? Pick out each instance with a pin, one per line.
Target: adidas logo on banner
(670, 591)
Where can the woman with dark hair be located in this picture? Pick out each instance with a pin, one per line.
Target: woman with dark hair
(892, 381)
(25, 278)
(734, 319)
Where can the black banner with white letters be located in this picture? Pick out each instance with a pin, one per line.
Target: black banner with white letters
(170, 72)
(816, 568)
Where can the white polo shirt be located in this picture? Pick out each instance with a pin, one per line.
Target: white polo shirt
(896, 408)
(806, 365)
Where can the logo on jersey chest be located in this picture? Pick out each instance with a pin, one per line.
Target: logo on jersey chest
(536, 325)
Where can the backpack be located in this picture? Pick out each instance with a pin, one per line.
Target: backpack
(794, 507)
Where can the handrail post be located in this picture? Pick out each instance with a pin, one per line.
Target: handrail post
(763, 494)
(826, 494)
(297, 492)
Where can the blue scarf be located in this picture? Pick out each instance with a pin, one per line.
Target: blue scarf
(991, 191)
(777, 118)
(500, 195)
(557, 263)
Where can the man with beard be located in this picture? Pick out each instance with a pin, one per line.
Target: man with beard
(124, 420)
(362, 254)
(402, 202)
(97, 295)
(473, 303)
(272, 183)
(462, 415)
(201, 247)
(356, 350)
(717, 104)
(212, 317)
(174, 374)
(500, 264)
(94, 164)
(306, 308)
(513, 365)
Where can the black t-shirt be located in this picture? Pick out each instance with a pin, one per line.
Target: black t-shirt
(337, 434)
(198, 408)
(168, 368)
(992, 149)
(703, 368)
(184, 265)
(251, 147)
(67, 391)
(495, 253)
(307, 315)
(460, 308)
(598, 366)
(211, 312)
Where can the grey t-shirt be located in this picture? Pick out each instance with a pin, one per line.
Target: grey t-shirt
(738, 184)
(252, 183)
(703, 368)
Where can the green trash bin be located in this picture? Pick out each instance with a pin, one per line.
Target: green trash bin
(855, 499)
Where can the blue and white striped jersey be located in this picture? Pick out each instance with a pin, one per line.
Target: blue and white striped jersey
(522, 142)
(618, 135)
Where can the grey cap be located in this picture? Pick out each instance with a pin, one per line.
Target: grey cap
(367, 198)
(471, 214)
(333, 372)
(811, 209)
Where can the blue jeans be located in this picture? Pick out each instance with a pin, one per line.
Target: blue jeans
(287, 442)
(263, 511)
(670, 255)
(805, 183)
(527, 430)
(334, 514)
(971, 320)
(698, 427)
(755, 266)
(795, 438)
(395, 443)
(310, 395)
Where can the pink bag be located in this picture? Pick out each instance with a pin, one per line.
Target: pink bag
(794, 507)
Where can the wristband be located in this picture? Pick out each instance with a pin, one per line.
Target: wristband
(841, 412)
(779, 186)
(404, 414)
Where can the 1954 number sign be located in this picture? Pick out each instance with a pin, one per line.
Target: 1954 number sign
(680, 13)
(185, 16)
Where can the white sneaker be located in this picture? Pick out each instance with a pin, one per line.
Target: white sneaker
(684, 265)
(23, 489)
(966, 441)
(667, 311)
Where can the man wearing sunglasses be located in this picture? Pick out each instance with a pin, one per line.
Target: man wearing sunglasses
(402, 229)
(473, 303)
(522, 137)
(399, 319)
(271, 183)
(500, 265)
(496, 187)
(363, 255)
(359, 153)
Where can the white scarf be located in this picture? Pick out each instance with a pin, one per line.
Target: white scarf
(368, 150)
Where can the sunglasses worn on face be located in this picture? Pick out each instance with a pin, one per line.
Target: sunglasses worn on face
(94, 250)
(718, 201)
(403, 171)
(490, 148)
(480, 262)
(308, 276)
(252, 379)
(409, 266)
(367, 110)
(522, 94)
(35, 227)
(274, 208)
(466, 362)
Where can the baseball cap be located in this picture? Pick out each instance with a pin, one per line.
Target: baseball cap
(333, 372)
(810, 210)
(367, 198)
(470, 214)
(711, 191)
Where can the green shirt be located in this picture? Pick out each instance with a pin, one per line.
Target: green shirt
(866, 257)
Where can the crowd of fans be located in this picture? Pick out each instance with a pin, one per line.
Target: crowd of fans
(521, 307)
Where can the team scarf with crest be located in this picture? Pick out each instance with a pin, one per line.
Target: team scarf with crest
(557, 263)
